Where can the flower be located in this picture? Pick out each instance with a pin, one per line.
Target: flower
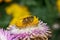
(24, 26)
(17, 11)
(5, 35)
(21, 16)
(40, 31)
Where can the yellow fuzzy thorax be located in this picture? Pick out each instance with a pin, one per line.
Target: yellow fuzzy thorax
(19, 13)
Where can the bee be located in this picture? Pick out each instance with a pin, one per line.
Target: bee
(28, 20)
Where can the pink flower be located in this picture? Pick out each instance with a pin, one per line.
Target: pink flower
(41, 31)
(5, 35)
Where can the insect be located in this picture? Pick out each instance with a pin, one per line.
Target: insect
(28, 20)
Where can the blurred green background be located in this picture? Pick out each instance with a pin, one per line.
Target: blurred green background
(46, 10)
